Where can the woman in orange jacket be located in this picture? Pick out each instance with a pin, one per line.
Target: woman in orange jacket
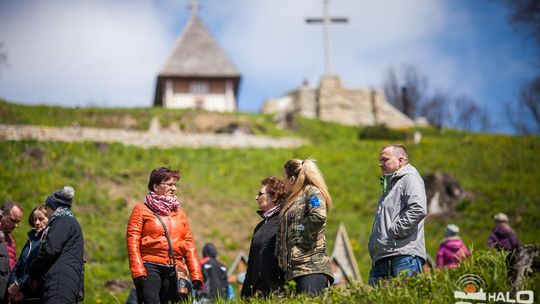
(152, 267)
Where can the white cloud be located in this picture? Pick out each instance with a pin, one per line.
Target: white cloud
(76, 53)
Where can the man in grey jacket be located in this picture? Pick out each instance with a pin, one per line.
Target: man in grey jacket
(397, 243)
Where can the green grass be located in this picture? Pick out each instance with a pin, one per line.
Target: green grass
(127, 118)
(219, 187)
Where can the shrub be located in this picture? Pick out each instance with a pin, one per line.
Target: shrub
(381, 131)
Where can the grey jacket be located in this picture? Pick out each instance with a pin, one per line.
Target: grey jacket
(398, 225)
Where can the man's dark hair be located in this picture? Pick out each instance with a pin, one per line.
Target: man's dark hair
(6, 208)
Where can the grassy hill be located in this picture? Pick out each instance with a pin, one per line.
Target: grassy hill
(219, 186)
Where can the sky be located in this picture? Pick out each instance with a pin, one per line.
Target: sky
(108, 52)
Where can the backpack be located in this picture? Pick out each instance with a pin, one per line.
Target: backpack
(215, 279)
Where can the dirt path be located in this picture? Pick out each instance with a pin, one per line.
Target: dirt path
(162, 139)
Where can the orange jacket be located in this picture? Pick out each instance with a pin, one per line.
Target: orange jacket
(146, 242)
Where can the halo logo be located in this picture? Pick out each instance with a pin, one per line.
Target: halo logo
(472, 289)
(471, 284)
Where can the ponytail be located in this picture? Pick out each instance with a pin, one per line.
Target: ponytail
(306, 173)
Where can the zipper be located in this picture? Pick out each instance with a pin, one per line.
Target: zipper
(260, 265)
(28, 254)
(286, 243)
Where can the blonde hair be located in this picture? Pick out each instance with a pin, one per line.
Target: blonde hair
(306, 173)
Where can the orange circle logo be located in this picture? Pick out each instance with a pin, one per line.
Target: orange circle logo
(470, 288)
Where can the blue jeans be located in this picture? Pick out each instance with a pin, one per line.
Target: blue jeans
(394, 266)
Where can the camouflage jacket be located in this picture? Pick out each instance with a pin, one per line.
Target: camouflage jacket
(301, 243)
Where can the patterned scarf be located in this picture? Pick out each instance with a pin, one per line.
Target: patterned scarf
(161, 204)
(59, 212)
(268, 213)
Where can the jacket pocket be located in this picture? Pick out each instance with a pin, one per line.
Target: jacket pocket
(304, 239)
(300, 256)
(304, 244)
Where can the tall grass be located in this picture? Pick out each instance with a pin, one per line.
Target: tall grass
(436, 287)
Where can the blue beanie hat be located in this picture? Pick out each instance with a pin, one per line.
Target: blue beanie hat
(61, 198)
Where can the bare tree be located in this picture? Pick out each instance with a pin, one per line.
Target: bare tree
(392, 90)
(468, 115)
(525, 115)
(3, 56)
(525, 15)
(435, 110)
(409, 93)
(406, 92)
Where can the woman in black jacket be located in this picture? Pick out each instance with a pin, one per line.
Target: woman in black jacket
(19, 289)
(4, 266)
(263, 276)
(60, 259)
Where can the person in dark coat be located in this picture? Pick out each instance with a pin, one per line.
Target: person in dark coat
(263, 276)
(4, 266)
(19, 289)
(215, 281)
(502, 236)
(60, 259)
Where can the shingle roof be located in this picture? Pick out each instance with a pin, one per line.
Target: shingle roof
(196, 53)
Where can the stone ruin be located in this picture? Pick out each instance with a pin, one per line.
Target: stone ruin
(331, 101)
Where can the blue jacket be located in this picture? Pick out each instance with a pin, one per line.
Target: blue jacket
(28, 255)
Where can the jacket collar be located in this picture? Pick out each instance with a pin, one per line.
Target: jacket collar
(269, 213)
(388, 179)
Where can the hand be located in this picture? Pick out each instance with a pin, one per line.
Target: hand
(139, 281)
(196, 284)
(13, 289)
(19, 296)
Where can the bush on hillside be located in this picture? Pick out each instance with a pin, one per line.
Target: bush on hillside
(381, 131)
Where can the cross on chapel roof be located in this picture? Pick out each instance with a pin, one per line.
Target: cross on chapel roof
(194, 6)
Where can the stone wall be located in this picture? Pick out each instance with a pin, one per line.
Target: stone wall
(303, 102)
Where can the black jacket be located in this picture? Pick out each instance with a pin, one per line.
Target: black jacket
(60, 261)
(4, 268)
(20, 272)
(263, 273)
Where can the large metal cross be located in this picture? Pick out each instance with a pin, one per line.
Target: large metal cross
(326, 21)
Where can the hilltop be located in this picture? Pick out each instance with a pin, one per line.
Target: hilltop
(219, 186)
